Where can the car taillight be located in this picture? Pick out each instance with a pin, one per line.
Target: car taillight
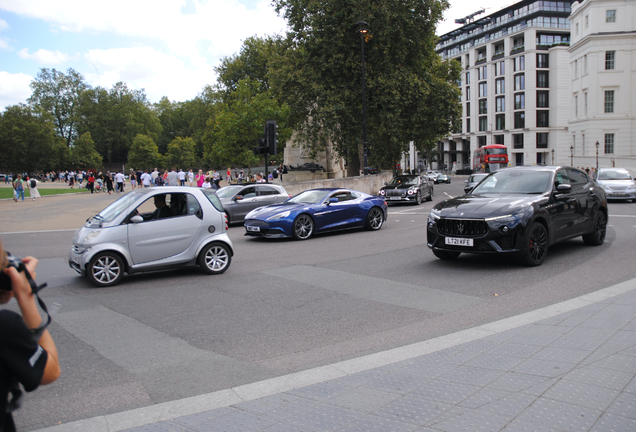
(227, 225)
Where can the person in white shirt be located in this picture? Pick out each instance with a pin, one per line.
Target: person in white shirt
(154, 175)
(206, 183)
(191, 177)
(146, 179)
(119, 178)
(182, 177)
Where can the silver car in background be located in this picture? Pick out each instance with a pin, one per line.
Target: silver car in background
(153, 229)
(239, 200)
(618, 183)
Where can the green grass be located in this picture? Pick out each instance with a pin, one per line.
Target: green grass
(8, 192)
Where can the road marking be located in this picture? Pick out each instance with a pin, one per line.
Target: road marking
(37, 232)
(377, 289)
(450, 196)
(627, 216)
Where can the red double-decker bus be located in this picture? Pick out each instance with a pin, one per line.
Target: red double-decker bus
(490, 158)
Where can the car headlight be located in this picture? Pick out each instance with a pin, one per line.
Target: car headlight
(411, 191)
(382, 192)
(511, 219)
(279, 215)
(91, 236)
(434, 215)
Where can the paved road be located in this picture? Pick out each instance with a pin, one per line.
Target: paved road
(283, 306)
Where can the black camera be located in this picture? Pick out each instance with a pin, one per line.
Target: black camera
(10, 261)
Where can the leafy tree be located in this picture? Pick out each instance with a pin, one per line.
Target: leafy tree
(28, 141)
(58, 94)
(83, 153)
(181, 153)
(320, 74)
(234, 132)
(144, 153)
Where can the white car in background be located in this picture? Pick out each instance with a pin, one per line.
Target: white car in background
(618, 183)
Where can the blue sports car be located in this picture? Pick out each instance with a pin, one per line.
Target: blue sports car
(315, 211)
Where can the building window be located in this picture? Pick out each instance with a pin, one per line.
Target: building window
(500, 121)
(467, 125)
(609, 143)
(576, 106)
(610, 16)
(517, 140)
(520, 101)
(468, 109)
(467, 78)
(542, 79)
(585, 64)
(576, 29)
(519, 159)
(543, 60)
(500, 86)
(609, 59)
(542, 140)
(543, 118)
(587, 21)
(500, 104)
(576, 69)
(481, 141)
(499, 139)
(583, 144)
(483, 124)
(483, 89)
(520, 120)
(482, 73)
(609, 101)
(467, 93)
(520, 82)
(543, 99)
(483, 106)
(520, 63)
(500, 68)
(518, 43)
(585, 103)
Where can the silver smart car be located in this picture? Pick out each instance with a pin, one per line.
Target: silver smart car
(153, 229)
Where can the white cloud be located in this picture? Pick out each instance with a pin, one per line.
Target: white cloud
(14, 89)
(45, 57)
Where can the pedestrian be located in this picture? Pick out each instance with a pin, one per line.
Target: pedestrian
(119, 179)
(216, 179)
(71, 181)
(200, 178)
(154, 176)
(32, 184)
(228, 175)
(182, 177)
(241, 177)
(146, 179)
(173, 178)
(91, 182)
(206, 183)
(26, 358)
(18, 188)
(191, 177)
(133, 179)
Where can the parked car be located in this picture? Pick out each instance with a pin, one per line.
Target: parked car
(316, 211)
(618, 183)
(239, 200)
(443, 178)
(407, 188)
(520, 211)
(432, 175)
(473, 180)
(152, 229)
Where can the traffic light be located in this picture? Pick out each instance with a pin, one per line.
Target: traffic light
(271, 136)
(261, 148)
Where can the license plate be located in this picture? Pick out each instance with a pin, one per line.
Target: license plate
(253, 228)
(454, 241)
(395, 198)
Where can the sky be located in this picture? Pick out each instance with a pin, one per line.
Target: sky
(166, 47)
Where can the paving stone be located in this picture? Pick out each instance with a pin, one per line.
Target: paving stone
(236, 421)
(514, 382)
(165, 426)
(618, 362)
(525, 425)
(631, 387)
(428, 369)
(498, 362)
(586, 339)
(509, 406)
(556, 320)
(575, 318)
(560, 415)
(379, 424)
(461, 357)
(624, 406)
(549, 369)
(611, 317)
(400, 384)
(567, 355)
(291, 409)
(600, 377)
(515, 349)
(324, 418)
(540, 339)
(266, 404)
(203, 417)
(445, 392)
(471, 376)
(581, 394)
(285, 427)
(325, 390)
(611, 422)
(483, 397)
(542, 387)
(363, 399)
(473, 421)
(628, 298)
(412, 410)
(479, 345)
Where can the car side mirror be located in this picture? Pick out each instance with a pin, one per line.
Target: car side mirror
(466, 181)
(238, 197)
(136, 219)
(564, 188)
(333, 200)
(386, 183)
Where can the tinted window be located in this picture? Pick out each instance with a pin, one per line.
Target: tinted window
(342, 196)
(248, 192)
(578, 178)
(193, 205)
(214, 200)
(561, 177)
(268, 190)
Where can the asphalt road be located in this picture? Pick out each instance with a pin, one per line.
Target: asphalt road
(283, 306)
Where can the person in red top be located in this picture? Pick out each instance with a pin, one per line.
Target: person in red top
(91, 181)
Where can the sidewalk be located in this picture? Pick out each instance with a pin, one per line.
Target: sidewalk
(569, 366)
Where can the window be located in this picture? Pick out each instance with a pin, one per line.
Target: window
(518, 44)
(583, 144)
(520, 63)
(576, 106)
(468, 109)
(483, 123)
(542, 79)
(500, 104)
(585, 103)
(542, 140)
(576, 69)
(500, 68)
(481, 141)
(520, 82)
(543, 99)
(520, 101)
(520, 120)
(609, 101)
(519, 159)
(483, 106)
(467, 93)
(609, 60)
(467, 78)
(543, 60)
(610, 16)
(267, 190)
(483, 89)
(467, 125)
(587, 21)
(499, 139)
(543, 118)
(517, 140)
(609, 143)
(500, 86)
(576, 29)
(482, 73)
(500, 121)
(585, 64)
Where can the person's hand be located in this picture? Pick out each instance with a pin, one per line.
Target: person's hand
(19, 283)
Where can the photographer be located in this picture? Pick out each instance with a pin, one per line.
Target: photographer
(23, 359)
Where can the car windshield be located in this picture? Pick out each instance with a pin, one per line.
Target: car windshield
(119, 206)
(403, 180)
(227, 191)
(614, 175)
(213, 198)
(515, 182)
(309, 197)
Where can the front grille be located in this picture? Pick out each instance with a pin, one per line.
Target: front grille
(395, 192)
(617, 188)
(462, 227)
(506, 242)
(256, 222)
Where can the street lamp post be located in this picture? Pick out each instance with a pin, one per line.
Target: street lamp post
(552, 156)
(571, 155)
(597, 144)
(362, 28)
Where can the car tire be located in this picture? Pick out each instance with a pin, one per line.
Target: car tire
(418, 198)
(375, 219)
(597, 236)
(430, 196)
(303, 227)
(446, 255)
(215, 258)
(105, 269)
(535, 248)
